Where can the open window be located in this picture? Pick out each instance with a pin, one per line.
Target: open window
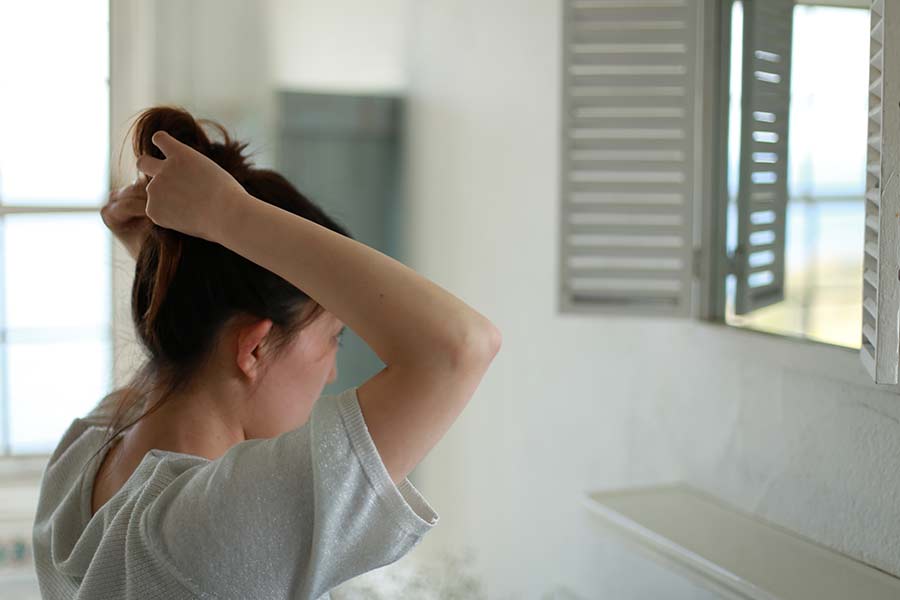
(779, 212)
(818, 258)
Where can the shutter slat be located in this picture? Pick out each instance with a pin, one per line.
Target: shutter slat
(873, 196)
(877, 61)
(872, 223)
(869, 332)
(667, 232)
(626, 273)
(576, 251)
(875, 115)
(870, 277)
(871, 308)
(872, 249)
(875, 86)
(875, 140)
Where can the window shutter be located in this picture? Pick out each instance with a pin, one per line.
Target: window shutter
(629, 163)
(762, 179)
(879, 351)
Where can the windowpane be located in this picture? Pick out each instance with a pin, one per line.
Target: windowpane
(826, 177)
(57, 271)
(829, 103)
(51, 383)
(54, 109)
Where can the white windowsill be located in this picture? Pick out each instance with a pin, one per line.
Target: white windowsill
(734, 553)
(22, 468)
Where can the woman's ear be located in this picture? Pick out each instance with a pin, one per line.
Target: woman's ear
(251, 348)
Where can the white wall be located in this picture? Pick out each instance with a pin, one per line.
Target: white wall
(339, 45)
(211, 57)
(788, 430)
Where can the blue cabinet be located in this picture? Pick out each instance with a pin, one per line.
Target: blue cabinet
(344, 153)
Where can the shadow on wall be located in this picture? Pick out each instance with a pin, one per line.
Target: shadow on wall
(451, 577)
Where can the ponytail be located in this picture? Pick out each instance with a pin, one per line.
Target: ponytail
(186, 288)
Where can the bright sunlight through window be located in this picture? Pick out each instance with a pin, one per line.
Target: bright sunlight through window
(55, 275)
(826, 177)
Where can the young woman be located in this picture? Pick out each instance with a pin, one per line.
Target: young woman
(218, 472)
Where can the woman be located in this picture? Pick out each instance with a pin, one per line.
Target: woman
(216, 473)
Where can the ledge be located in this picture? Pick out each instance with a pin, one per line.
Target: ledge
(734, 553)
(22, 468)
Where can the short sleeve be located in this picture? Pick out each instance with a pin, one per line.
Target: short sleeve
(287, 517)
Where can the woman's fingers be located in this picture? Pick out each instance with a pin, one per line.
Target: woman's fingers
(126, 202)
(187, 187)
(131, 205)
(140, 180)
(149, 165)
(166, 143)
(139, 188)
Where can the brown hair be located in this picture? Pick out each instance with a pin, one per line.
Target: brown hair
(186, 288)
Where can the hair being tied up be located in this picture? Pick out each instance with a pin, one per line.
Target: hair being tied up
(186, 288)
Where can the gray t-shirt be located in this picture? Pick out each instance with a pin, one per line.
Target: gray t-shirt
(286, 517)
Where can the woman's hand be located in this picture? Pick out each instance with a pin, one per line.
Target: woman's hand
(188, 191)
(125, 214)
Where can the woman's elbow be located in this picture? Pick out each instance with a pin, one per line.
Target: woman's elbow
(479, 346)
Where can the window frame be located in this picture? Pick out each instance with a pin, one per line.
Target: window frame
(5, 400)
(131, 43)
(830, 361)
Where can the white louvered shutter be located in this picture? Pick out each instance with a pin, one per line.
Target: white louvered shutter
(762, 179)
(629, 162)
(879, 351)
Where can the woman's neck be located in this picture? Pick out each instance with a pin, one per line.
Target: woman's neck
(202, 423)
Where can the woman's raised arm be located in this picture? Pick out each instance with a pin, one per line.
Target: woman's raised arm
(436, 347)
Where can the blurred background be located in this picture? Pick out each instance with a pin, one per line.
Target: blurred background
(431, 128)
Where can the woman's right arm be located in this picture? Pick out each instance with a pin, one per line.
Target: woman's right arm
(435, 347)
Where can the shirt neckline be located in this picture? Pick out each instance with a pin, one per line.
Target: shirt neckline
(87, 484)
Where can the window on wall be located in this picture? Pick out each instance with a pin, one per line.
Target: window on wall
(826, 176)
(55, 288)
(791, 228)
